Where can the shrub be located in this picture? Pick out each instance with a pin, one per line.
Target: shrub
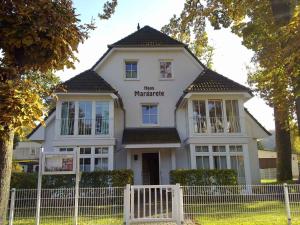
(199, 177)
(114, 178)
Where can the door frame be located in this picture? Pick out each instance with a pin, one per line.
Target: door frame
(159, 166)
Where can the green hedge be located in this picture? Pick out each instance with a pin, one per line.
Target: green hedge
(203, 177)
(114, 178)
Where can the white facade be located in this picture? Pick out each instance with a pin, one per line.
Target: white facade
(164, 73)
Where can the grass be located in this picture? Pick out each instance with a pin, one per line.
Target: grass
(268, 181)
(70, 221)
(256, 213)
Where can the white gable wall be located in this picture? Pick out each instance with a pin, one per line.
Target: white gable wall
(185, 70)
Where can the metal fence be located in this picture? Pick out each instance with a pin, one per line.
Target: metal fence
(205, 205)
(242, 204)
(95, 206)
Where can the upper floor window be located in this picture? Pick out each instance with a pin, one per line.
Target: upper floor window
(232, 113)
(131, 70)
(92, 117)
(166, 69)
(102, 118)
(216, 116)
(211, 114)
(85, 118)
(150, 114)
(67, 118)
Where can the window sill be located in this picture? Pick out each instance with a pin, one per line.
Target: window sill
(166, 79)
(131, 79)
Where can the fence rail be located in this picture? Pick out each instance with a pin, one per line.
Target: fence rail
(205, 205)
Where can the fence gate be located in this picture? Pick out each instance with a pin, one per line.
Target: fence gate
(153, 203)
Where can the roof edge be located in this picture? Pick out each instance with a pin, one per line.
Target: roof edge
(258, 123)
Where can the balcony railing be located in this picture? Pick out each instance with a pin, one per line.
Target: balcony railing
(84, 126)
(200, 124)
(233, 124)
(217, 124)
(67, 126)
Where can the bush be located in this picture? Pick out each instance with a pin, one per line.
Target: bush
(199, 177)
(114, 178)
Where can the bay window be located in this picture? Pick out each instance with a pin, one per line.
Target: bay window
(220, 157)
(215, 116)
(92, 118)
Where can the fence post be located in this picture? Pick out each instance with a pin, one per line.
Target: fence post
(127, 204)
(39, 188)
(287, 203)
(77, 180)
(12, 206)
(179, 201)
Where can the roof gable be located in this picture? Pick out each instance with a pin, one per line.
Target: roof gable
(88, 82)
(211, 81)
(147, 37)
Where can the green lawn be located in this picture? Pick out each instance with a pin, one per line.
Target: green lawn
(258, 213)
(69, 221)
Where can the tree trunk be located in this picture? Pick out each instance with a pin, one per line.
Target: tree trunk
(283, 145)
(6, 151)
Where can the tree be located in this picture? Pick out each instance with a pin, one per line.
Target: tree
(35, 36)
(277, 49)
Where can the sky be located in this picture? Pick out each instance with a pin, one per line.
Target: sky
(230, 56)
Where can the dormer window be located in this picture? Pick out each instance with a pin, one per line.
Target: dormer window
(131, 70)
(166, 69)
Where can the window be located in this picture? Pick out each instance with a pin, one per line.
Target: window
(131, 70)
(67, 118)
(166, 70)
(93, 158)
(150, 114)
(85, 118)
(237, 162)
(85, 159)
(102, 118)
(85, 164)
(232, 113)
(199, 116)
(221, 157)
(216, 116)
(65, 149)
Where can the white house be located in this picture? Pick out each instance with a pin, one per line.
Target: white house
(26, 153)
(148, 104)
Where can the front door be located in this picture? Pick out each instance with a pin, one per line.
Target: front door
(150, 168)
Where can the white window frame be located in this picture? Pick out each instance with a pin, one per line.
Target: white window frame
(208, 122)
(227, 154)
(137, 67)
(141, 115)
(76, 119)
(172, 69)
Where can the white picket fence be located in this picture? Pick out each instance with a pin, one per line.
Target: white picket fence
(160, 203)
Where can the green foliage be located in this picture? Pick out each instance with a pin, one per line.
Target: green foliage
(196, 177)
(114, 178)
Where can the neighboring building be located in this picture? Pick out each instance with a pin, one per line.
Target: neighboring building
(150, 105)
(268, 159)
(26, 153)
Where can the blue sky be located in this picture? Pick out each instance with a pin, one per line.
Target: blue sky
(230, 58)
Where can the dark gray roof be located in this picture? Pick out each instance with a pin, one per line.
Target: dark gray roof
(87, 82)
(211, 81)
(147, 37)
(150, 136)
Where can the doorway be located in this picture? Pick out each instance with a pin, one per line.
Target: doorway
(150, 168)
